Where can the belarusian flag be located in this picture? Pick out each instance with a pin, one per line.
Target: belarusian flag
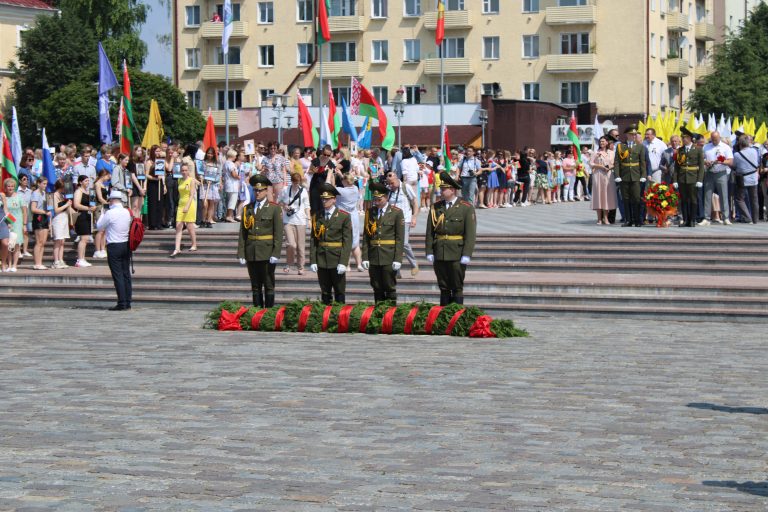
(10, 218)
(440, 30)
(127, 124)
(6, 162)
(307, 129)
(323, 29)
(334, 119)
(573, 135)
(368, 106)
(446, 151)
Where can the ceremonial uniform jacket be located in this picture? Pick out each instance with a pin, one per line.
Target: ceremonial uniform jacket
(451, 232)
(688, 166)
(261, 234)
(631, 163)
(383, 237)
(331, 239)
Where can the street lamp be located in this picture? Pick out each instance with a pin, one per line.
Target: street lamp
(278, 107)
(398, 105)
(483, 114)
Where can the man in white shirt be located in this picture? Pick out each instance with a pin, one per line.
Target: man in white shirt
(117, 224)
(403, 196)
(718, 157)
(656, 148)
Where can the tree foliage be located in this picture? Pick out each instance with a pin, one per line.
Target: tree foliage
(739, 83)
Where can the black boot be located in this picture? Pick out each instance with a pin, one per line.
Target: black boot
(458, 299)
(258, 301)
(326, 299)
(444, 298)
(341, 298)
(269, 300)
(391, 296)
(377, 297)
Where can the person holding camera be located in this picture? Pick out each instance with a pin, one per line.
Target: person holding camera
(295, 202)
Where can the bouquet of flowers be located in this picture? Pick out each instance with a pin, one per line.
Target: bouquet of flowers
(662, 200)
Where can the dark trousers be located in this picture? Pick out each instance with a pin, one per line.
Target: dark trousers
(523, 191)
(384, 282)
(333, 286)
(747, 212)
(619, 205)
(450, 280)
(584, 190)
(630, 191)
(689, 202)
(119, 261)
(262, 274)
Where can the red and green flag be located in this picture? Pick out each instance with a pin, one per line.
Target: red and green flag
(307, 129)
(323, 29)
(365, 104)
(440, 30)
(446, 150)
(573, 135)
(127, 125)
(334, 119)
(6, 162)
(10, 218)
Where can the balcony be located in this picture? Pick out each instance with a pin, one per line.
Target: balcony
(218, 117)
(452, 67)
(578, 15)
(706, 31)
(215, 72)
(453, 20)
(703, 71)
(342, 24)
(677, 22)
(213, 30)
(341, 69)
(677, 67)
(575, 63)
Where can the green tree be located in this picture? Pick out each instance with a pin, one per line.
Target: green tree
(739, 83)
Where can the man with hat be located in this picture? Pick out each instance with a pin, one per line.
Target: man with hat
(331, 245)
(687, 176)
(383, 241)
(260, 242)
(630, 168)
(116, 224)
(451, 229)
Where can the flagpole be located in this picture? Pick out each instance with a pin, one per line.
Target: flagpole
(441, 94)
(320, 117)
(226, 96)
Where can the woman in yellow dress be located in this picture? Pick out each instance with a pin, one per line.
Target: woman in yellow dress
(187, 210)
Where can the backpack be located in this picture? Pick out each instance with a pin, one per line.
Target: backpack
(135, 233)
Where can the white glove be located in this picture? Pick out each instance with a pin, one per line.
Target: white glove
(340, 269)
(699, 184)
(675, 185)
(642, 180)
(396, 266)
(273, 260)
(431, 258)
(366, 265)
(242, 261)
(464, 260)
(618, 180)
(313, 267)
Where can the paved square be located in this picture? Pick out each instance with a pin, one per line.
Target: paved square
(152, 413)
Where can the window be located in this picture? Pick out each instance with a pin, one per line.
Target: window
(266, 12)
(490, 6)
(571, 3)
(454, 5)
(531, 91)
(653, 5)
(653, 45)
(343, 52)
(233, 56)
(304, 11)
(412, 7)
(690, 55)
(235, 99)
(571, 44)
(235, 11)
(381, 94)
(653, 92)
(531, 47)
(661, 94)
(412, 50)
(379, 9)
(342, 8)
(454, 93)
(193, 99)
(487, 89)
(264, 95)
(491, 48)
(193, 16)
(674, 5)
(572, 93)
(413, 94)
(662, 47)
(453, 47)
(306, 54)
(307, 93)
(266, 56)
(380, 51)
(193, 58)
(341, 92)
(530, 5)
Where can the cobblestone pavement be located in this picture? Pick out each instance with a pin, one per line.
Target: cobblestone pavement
(153, 413)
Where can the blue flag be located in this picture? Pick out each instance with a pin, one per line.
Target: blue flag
(346, 121)
(364, 138)
(49, 172)
(107, 82)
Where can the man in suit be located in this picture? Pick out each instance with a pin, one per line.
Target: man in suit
(451, 230)
(688, 176)
(331, 245)
(383, 243)
(260, 242)
(631, 169)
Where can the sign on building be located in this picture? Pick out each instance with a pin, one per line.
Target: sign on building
(559, 134)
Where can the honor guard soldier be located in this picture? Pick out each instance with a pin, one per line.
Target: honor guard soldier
(630, 168)
(260, 242)
(383, 241)
(331, 245)
(687, 176)
(451, 229)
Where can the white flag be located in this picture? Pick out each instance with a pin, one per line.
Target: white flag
(15, 140)
(225, 35)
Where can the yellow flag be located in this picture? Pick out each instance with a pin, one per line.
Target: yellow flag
(154, 132)
(692, 125)
(751, 127)
(762, 134)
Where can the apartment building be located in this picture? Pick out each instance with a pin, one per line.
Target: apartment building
(630, 57)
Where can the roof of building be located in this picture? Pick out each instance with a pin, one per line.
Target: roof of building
(30, 4)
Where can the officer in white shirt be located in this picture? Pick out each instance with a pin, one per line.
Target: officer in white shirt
(117, 224)
(404, 197)
(718, 158)
(656, 148)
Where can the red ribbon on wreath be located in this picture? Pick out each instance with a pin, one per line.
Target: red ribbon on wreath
(344, 313)
(434, 312)
(365, 317)
(326, 317)
(453, 321)
(482, 328)
(231, 321)
(279, 319)
(409, 320)
(304, 316)
(256, 320)
(386, 322)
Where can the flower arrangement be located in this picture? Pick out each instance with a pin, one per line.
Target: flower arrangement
(662, 200)
(418, 318)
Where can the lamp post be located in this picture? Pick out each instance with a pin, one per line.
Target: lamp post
(398, 105)
(483, 114)
(278, 107)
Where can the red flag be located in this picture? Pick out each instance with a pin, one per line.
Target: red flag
(440, 30)
(323, 28)
(209, 139)
(308, 131)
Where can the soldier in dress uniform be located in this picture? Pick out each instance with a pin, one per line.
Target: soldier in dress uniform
(331, 245)
(630, 168)
(383, 242)
(687, 176)
(260, 242)
(451, 229)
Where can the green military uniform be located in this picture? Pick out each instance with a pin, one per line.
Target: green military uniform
(687, 172)
(631, 166)
(450, 238)
(383, 242)
(331, 245)
(259, 244)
